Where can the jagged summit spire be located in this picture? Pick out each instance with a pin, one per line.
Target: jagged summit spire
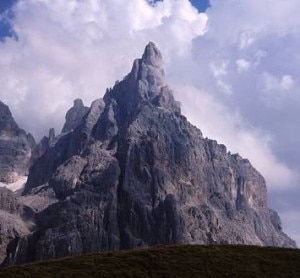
(74, 115)
(144, 84)
(152, 55)
(150, 67)
(78, 103)
(7, 122)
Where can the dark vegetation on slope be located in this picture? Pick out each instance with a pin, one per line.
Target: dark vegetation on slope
(171, 261)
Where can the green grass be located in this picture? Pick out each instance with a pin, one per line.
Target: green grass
(171, 261)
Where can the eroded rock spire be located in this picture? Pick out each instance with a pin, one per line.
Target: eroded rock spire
(152, 55)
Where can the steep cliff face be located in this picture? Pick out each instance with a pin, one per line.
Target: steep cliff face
(12, 220)
(136, 173)
(64, 146)
(15, 147)
(15, 152)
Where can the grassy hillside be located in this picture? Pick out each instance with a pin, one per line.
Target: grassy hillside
(171, 261)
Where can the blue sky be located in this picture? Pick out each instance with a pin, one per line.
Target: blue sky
(235, 70)
(200, 4)
(5, 4)
(5, 29)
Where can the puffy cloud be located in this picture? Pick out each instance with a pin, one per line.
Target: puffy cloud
(219, 69)
(242, 65)
(286, 83)
(70, 49)
(272, 84)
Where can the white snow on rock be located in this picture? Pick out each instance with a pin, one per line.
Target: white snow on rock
(17, 187)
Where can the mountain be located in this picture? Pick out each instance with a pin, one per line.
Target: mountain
(15, 148)
(13, 220)
(132, 172)
(74, 115)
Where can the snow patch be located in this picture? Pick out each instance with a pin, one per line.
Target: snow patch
(17, 187)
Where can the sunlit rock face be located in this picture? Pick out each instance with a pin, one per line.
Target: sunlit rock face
(135, 173)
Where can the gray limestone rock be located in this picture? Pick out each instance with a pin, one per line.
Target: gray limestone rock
(15, 152)
(12, 225)
(15, 147)
(62, 147)
(41, 148)
(51, 136)
(74, 115)
(136, 173)
(8, 201)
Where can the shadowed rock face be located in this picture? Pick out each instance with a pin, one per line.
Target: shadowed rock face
(15, 152)
(136, 173)
(15, 147)
(12, 224)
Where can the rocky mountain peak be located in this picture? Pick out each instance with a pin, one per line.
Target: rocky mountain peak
(74, 115)
(152, 55)
(15, 147)
(143, 87)
(78, 103)
(7, 122)
(51, 135)
(148, 70)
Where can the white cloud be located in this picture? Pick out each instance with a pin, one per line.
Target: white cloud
(246, 38)
(286, 82)
(242, 65)
(70, 49)
(224, 87)
(274, 84)
(219, 69)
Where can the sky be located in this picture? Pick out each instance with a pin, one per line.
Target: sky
(234, 66)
